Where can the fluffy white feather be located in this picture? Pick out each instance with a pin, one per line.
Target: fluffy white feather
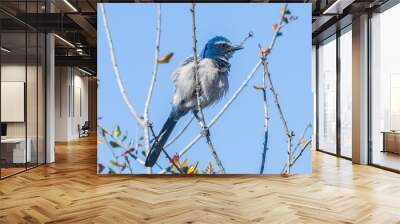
(214, 84)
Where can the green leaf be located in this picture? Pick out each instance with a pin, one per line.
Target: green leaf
(173, 170)
(127, 160)
(113, 163)
(111, 171)
(123, 138)
(143, 153)
(114, 144)
(104, 132)
(116, 132)
(133, 156)
(130, 143)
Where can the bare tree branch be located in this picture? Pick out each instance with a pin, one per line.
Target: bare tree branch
(165, 152)
(301, 138)
(289, 133)
(282, 117)
(266, 119)
(116, 69)
(249, 35)
(301, 152)
(298, 156)
(173, 139)
(151, 87)
(238, 91)
(200, 115)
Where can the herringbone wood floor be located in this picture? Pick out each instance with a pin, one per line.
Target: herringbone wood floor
(69, 191)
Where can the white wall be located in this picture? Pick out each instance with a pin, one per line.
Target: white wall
(385, 70)
(71, 102)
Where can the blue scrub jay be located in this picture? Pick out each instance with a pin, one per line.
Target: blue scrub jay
(213, 68)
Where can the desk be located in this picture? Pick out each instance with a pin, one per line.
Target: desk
(391, 141)
(16, 147)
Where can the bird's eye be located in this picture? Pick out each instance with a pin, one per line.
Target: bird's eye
(224, 45)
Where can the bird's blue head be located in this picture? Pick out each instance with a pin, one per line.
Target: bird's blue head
(219, 47)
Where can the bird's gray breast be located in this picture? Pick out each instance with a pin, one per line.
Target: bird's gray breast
(213, 80)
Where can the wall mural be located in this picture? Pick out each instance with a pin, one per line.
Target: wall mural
(204, 88)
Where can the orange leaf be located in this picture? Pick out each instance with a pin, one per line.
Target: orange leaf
(192, 169)
(175, 159)
(166, 58)
(258, 87)
(275, 27)
(302, 142)
(263, 52)
(184, 163)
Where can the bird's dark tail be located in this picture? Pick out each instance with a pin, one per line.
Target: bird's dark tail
(162, 138)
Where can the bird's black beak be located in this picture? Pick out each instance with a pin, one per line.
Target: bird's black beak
(235, 48)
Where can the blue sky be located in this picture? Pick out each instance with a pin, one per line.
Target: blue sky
(238, 135)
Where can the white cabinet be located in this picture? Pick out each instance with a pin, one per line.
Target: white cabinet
(19, 155)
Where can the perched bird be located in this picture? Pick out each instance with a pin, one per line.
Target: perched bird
(213, 69)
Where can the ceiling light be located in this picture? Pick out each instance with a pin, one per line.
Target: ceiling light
(65, 41)
(84, 71)
(5, 50)
(337, 7)
(70, 5)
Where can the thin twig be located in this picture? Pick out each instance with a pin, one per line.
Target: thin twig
(266, 119)
(116, 69)
(129, 164)
(165, 152)
(195, 62)
(214, 154)
(120, 144)
(179, 133)
(301, 152)
(301, 139)
(199, 109)
(297, 157)
(282, 117)
(249, 35)
(151, 87)
(274, 93)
